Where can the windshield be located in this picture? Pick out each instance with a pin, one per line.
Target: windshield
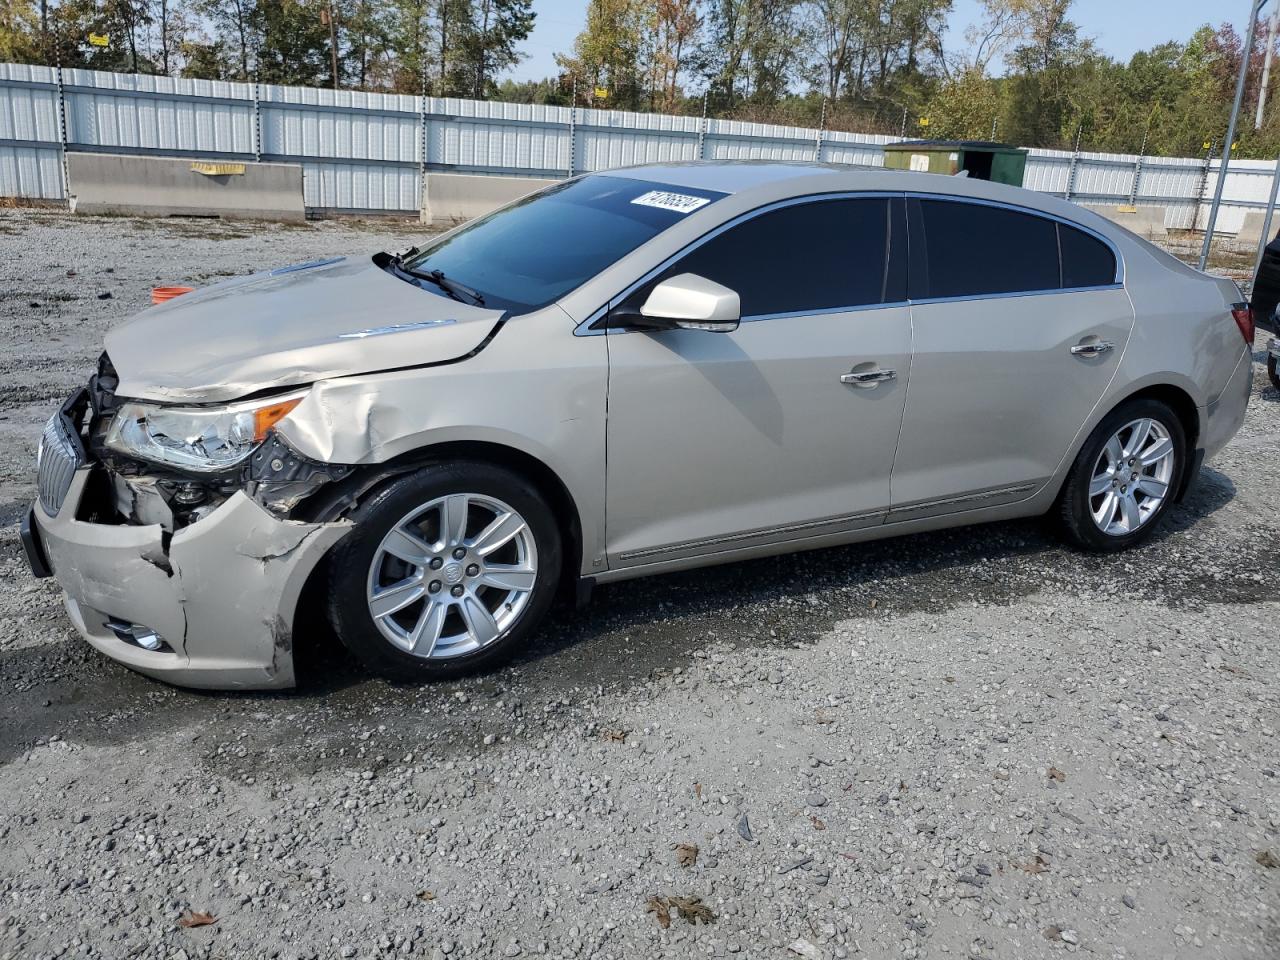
(535, 251)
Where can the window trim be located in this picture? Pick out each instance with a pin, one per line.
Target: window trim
(588, 328)
(1117, 284)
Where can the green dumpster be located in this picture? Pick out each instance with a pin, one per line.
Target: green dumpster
(998, 162)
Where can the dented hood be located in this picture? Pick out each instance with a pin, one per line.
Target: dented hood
(290, 327)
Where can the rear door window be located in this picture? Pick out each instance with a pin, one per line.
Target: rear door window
(972, 249)
(1086, 260)
(803, 258)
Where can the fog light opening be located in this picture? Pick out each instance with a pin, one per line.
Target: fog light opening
(137, 635)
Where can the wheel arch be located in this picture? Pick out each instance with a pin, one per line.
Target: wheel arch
(337, 499)
(1175, 398)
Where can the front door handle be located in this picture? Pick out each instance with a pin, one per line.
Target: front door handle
(866, 378)
(1092, 348)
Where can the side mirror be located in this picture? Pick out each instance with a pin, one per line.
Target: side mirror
(691, 302)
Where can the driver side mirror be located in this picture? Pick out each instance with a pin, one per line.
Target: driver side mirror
(689, 302)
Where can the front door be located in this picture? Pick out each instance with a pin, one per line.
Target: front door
(719, 442)
(1019, 325)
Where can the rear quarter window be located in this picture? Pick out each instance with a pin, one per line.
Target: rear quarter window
(1086, 260)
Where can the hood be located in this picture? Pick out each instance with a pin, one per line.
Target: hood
(290, 327)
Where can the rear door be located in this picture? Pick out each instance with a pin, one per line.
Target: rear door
(784, 429)
(1019, 322)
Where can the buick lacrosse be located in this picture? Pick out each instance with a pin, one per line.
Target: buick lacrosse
(627, 373)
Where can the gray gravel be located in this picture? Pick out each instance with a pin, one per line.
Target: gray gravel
(970, 744)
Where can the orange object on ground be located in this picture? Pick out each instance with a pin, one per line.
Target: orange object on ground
(161, 294)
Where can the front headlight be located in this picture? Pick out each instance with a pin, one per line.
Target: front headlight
(200, 439)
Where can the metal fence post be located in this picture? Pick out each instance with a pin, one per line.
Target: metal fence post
(1137, 172)
(1204, 184)
(1266, 223)
(257, 124)
(702, 129)
(62, 132)
(424, 211)
(822, 123)
(573, 126)
(1228, 144)
(1075, 161)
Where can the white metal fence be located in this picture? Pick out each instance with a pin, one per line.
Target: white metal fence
(369, 151)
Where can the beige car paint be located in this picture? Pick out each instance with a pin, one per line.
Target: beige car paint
(676, 449)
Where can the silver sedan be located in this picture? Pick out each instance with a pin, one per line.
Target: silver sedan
(625, 374)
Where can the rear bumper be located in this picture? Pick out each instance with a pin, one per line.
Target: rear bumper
(1224, 416)
(221, 593)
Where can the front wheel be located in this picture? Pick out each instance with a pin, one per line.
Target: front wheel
(1124, 478)
(448, 569)
(1271, 371)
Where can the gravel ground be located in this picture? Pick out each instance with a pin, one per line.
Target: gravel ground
(969, 744)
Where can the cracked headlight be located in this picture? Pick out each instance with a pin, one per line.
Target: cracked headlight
(200, 439)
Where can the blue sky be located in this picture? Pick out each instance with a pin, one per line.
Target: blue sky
(1120, 27)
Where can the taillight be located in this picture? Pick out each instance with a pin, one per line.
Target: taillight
(1242, 314)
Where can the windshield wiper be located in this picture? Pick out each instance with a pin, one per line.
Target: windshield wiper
(459, 291)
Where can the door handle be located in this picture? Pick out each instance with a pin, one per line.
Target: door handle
(866, 378)
(1093, 348)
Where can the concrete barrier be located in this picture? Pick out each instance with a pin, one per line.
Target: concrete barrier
(1146, 221)
(160, 186)
(456, 197)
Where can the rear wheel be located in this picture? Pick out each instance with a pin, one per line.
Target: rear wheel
(1124, 478)
(1271, 371)
(447, 569)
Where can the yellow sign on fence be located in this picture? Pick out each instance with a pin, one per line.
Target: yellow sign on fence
(602, 93)
(99, 40)
(924, 121)
(217, 169)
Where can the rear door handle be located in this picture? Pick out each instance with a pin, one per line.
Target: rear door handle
(1092, 348)
(867, 378)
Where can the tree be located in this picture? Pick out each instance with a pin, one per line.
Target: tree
(19, 31)
(607, 51)
(500, 26)
(237, 27)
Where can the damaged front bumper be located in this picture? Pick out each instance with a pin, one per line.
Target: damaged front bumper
(210, 606)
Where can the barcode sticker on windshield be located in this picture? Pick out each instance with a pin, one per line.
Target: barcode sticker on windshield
(675, 202)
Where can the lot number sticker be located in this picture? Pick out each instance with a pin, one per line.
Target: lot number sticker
(675, 202)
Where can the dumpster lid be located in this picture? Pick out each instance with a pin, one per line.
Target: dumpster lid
(989, 145)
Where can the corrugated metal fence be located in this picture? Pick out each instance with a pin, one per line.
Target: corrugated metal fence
(369, 151)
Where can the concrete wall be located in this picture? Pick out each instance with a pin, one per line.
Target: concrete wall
(455, 197)
(159, 186)
(1148, 221)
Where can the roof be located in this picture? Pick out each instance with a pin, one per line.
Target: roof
(765, 181)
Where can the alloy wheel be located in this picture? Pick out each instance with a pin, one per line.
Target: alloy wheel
(1132, 477)
(452, 576)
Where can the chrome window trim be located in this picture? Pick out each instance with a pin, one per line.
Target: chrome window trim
(927, 301)
(584, 328)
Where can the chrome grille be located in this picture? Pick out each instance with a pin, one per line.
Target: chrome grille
(57, 459)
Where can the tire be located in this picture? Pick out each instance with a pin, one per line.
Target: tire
(1093, 478)
(1272, 374)
(413, 595)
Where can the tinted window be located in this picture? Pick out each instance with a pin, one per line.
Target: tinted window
(973, 249)
(1086, 260)
(535, 251)
(802, 258)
